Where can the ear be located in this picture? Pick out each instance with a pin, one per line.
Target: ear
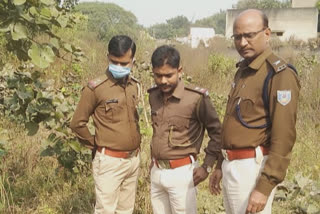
(267, 33)
(134, 61)
(180, 71)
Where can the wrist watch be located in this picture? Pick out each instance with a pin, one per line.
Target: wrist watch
(207, 168)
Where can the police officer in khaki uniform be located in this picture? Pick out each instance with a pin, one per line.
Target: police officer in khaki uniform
(258, 131)
(111, 101)
(180, 115)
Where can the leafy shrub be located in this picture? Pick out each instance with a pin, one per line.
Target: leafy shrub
(220, 64)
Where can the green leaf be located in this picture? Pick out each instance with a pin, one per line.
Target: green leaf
(47, 2)
(41, 56)
(5, 27)
(302, 181)
(25, 94)
(19, 2)
(63, 21)
(67, 47)
(54, 12)
(55, 43)
(63, 107)
(48, 53)
(32, 128)
(19, 31)
(45, 12)
(47, 152)
(75, 145)
(33, 11)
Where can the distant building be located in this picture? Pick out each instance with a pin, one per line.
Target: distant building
(299, 22)
(303, 3)
(198, 35)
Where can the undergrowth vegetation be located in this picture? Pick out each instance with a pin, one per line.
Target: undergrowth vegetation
(44, 169)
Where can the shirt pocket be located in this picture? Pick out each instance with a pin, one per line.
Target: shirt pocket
(113, 112)
(178, 132)
(247, 106)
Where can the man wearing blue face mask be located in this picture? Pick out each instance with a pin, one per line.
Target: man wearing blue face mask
(111, 101)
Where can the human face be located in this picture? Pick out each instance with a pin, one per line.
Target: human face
(125, 61)
(251, 38)
(167, 78)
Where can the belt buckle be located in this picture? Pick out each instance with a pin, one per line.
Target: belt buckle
(224, 154)
(164, 164)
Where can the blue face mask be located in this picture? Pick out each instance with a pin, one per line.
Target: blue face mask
(119, 72)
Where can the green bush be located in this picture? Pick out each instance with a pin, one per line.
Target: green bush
(220, 64)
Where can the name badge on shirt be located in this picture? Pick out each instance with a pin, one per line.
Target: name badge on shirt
(112, 101)
(284, 97)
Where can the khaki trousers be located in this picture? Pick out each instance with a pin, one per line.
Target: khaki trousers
(115, 183)
(238, 181)
(173, 190)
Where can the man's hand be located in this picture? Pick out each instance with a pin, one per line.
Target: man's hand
(257, 202)
(199, 175)
(214, 182)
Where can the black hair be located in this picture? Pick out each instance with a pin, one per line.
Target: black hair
(120, 44)
(165, 54)
(265, 20)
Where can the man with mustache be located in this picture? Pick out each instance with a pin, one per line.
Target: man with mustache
(180, 114)
(111, 100)
(258, 131)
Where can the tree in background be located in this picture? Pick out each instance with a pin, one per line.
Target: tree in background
(108, 19)
(216, 21)
(262, 4)
(178, 26)
(68, 4)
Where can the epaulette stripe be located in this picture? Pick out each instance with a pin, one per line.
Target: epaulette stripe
(199, 90)
(277, 63)
(92, 84)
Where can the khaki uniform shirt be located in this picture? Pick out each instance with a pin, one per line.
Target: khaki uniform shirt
(179, 123)
(112, 106)
(280, 137)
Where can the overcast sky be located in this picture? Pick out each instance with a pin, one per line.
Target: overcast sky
(149, 12)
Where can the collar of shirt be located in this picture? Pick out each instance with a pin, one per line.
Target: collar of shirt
(177, 93)
(117, 81)
(258, 62)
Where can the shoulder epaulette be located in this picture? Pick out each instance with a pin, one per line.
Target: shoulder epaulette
(277, 63)
(92, 84)
(199, 90)
(152, 88)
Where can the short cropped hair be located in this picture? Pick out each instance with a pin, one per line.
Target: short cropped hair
(120, 44)
(265, 20)
(165, 55)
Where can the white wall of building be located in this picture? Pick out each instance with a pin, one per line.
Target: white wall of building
(300, 23)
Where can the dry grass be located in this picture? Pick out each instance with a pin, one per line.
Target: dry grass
(31, 184)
